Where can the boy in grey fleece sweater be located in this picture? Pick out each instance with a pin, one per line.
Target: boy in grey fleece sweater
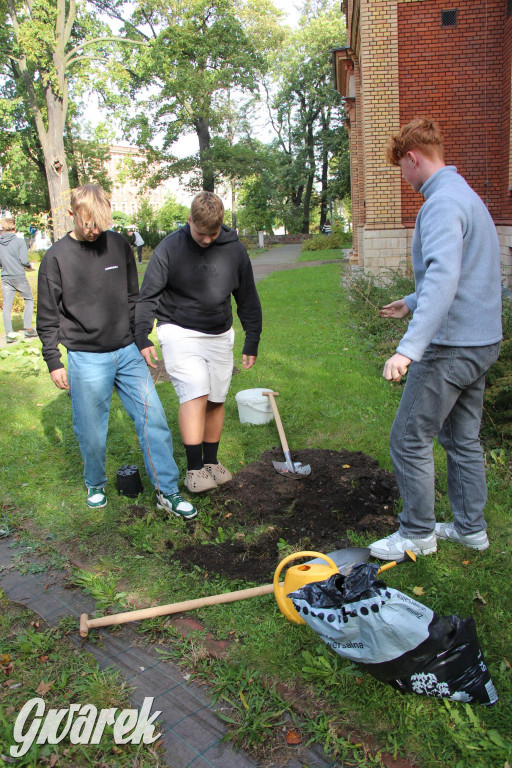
(450, 344)
(13, 263)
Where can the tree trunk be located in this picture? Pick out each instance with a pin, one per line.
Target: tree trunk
(323, 194)
(56, 164)
(310, 144)
(203, 134)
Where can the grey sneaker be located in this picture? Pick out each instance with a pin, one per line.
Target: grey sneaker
(199, 480)
(476, 540)
(219, 473)
(176, 505)
(393, 547)
(30, 333)
(96, 498)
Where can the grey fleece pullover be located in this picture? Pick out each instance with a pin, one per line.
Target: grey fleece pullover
(13, 255)
(456, 261)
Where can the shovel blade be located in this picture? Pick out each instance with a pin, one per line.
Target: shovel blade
(293, 469)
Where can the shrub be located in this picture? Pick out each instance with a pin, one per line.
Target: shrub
(338, 239)
(367, 293)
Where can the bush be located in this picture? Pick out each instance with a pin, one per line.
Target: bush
(338, 239)
(367, 293)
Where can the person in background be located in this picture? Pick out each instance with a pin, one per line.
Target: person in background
(13, 263)
(88, 287)
(137, 241)
(188, 285)
(451, 342)
(327, 229)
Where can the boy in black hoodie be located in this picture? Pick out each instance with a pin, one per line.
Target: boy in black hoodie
(188, 286)
(88, 287)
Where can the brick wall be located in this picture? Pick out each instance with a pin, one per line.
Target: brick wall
(407, 64)
(455, 75)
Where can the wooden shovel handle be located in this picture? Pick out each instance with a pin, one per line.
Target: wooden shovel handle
(277, 417)
(163, 610)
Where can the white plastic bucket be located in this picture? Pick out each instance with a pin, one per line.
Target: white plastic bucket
(253, 407)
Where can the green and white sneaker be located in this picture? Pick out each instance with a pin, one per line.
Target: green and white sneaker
(175, 503)
(96, 498)
(11, 337)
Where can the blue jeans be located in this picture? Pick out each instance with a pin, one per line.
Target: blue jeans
(92, 377)
(9, 287)
(443, 398)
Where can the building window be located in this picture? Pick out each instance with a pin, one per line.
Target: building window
(449, 17)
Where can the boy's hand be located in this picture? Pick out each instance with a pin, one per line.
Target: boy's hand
(60, 378)
(147, 354)
(396, 367)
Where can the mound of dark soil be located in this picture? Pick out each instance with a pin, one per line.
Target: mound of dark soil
(264, 511)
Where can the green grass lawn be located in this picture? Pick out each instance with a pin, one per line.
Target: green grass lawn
(326, 254)
(331, 396)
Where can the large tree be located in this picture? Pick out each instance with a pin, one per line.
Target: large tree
(197, 53)
(44, 46)
(305, 109)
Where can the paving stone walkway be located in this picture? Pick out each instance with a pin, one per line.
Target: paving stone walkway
(191, 730)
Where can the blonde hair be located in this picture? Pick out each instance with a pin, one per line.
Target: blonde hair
(421, 133)
(207, 211)
(91, 201)
(9, 225)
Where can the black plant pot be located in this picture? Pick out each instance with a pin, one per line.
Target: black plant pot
(128, 481)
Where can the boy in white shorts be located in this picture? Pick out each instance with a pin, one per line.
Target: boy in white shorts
(188, 286)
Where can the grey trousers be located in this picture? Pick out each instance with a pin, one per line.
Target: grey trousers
(11, 285)
(443, 398)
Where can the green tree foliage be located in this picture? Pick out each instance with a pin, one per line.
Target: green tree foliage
(88, 154)
(307, 113)
(46, 46)
(197, 54)
(171, 215)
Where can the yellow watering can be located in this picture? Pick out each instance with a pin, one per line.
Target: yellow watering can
(296, 577)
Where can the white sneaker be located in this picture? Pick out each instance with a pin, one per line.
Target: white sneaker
(393, 547)
(476, 540)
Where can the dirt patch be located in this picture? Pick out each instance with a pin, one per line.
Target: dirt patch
(261, 512)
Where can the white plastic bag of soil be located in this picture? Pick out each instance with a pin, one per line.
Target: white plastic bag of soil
(395, 638)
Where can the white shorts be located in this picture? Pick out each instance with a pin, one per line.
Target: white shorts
(198, 363)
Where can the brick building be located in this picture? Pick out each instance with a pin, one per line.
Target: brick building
(449, 60)
(127, 193)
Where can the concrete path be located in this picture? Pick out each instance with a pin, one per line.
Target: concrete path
(281, 258)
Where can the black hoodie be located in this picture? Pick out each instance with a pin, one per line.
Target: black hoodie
(191, 286)
(86, 296)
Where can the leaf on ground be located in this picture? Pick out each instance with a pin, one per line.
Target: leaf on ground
(43, 687)
(478, 599)
(466, 562)
(418, 591)
(4, 658)
(54, 759)
(293, 737)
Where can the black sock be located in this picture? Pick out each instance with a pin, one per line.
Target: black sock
(210, 453)
(194, 456)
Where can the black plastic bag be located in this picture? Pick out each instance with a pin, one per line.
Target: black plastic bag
(395, 638)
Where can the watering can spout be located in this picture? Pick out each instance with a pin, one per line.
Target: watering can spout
(297, 576)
